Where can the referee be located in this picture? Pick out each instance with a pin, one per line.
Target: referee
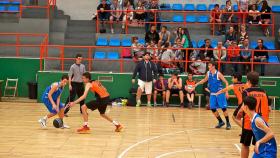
(76, 86)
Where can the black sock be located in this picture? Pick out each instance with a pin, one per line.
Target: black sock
(227, 119)
(219, 119)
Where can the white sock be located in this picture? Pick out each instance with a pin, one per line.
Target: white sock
(138, 101)
(45, 117)
(115, 123)
(86, 123)
(149, 102)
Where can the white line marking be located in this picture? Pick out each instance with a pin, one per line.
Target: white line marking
(238, 148)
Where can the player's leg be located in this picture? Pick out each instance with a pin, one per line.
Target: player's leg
(52, 112)
(90, 105)
(148, 90)
(167, 95)
(181, 95)
(71, 97)
(61, 115)
(236, 117)
(222, 101)
(246, 138)
(213, 107)
(140, 89)
(155, 97)
(189, 97)
(80, 91)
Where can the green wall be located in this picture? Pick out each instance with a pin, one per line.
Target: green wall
(23, 69)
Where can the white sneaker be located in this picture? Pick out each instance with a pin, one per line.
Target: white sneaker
(65, 126)
(250, 22)
(260, 22)
(43, 122)
(112, 31)
(138, 103)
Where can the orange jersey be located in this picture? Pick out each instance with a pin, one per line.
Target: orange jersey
(190, 84)
(99, 90)
(262, 107)
(238, 88)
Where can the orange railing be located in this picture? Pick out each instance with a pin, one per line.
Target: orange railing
(51, 5)
(185, 13)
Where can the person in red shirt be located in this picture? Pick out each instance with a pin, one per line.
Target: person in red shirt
(233, 55)
(216, 16)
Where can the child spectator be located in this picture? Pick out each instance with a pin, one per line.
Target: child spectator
(160, 87)
(190, 93)
(137, 49)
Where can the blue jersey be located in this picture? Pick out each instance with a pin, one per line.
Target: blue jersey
(55, 94)
(214, 83)
(264, 148)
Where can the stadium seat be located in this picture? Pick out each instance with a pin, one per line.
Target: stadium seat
(141, 41)
(201, 7)
(214, 43)
(113, 55)
(4, 2)
(273, 59)
(222, 7)
(190, 18)
(13, 8)
(235, 8)
(200, 43)
(164, 20)
(270, 45)
(101, 41)
(211, 7)
(165, 7)
(15, 2)
(178, 18)
(203, 19)
(259, 8)
(194, 44)
(189, 7)
(177, 6)
(114, 42)
(276, 9)
(253, 44)
(99, 55)
(2, 8)
(126, 42)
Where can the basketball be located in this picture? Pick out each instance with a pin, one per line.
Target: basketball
(58, 122)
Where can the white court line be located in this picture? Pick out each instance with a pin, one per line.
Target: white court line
(238, 148)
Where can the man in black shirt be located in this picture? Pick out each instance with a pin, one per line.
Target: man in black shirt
(207, 52)
(103, 15)
(152, 13)
(261, 56)
(152, 35)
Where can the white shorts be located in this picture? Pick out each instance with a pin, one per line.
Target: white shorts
(145, 86)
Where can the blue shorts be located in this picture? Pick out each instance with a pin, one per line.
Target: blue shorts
(48, 104)
(265, 155)
(219, 101)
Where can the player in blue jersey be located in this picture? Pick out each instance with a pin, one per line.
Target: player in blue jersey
(215, 83)
(51, 99)
(265, 146)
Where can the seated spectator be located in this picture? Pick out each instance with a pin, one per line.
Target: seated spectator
(164, 36)
(152, 35)
(206, 53)
(160, 87)
(179, 54)
(116, 13)
(103, 14)
(254, 15)
(167, 57)
(233, 55)
(153, 50)
(242, 8)
(137, 49)
(227, 16)
(245, 55)
(178, 33)
(243, 34)
(220, 54)
(230, 36)
(254, 2)
(265, 17)
(140, 14)
(175, 87)
(152, 13)
(198, 67)
(261, 55)
(216, 16)
(186, 42)
(206, 93)
(190, 92)
(128, 14)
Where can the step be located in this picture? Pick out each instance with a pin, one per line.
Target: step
(80, 29)
(79, 41)
(85, 35)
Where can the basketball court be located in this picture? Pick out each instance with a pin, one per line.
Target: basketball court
(148, 133)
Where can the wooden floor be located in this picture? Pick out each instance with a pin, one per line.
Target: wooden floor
(149, 133)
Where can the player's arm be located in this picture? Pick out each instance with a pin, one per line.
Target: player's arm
(58, 101)
(53, 89)
(221, 77)
(201, 81)
(170, 83)
(70, 74)
(230, 87)
(179, 84)
(88, 85)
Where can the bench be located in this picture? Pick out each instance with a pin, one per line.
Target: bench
(1, 81)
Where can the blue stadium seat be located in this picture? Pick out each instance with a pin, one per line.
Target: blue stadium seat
(276, 9)
(178, 18)
(270, 45)
(126, 42)
(165, 7)
(273, 59)
(259, 8)
(113, 55)
(235, 8)
(222, 7)
(203, 19)
(214, 43)
(164, 20)
(2, 8)
(190, 18)
(189, 7)
(115, 42)
(200, 43)
(101, 41)
(141, 41)
(5, 2)
(201, 7)
(253, 44)
(15, 2)
(99, 55)
(13, 9)
(194, 44)
(211, 7)
(177, 6)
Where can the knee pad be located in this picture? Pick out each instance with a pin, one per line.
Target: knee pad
(213, 110)
(224, 109)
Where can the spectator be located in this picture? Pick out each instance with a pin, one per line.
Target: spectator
(230, 36)
(279, 36)
(152, 35)
(164, 36)
(140, 14)
(198, 67)
(243, 34)
(152, 49)
(190, 92)
(261, 55)
(152, 13)
(179, 54)
(128, 14)
(243, 5)
(116, 13)
(265, 17)
(245, 55)
(233, 55)
(137, 49)
(103, 15)
(186, 42)
(206, 93)
(206, 52)
(175, 87)
(167, 57)
(227, 16)
(178, 33)
(160, 87)
(220, 54)
(216, 16)
(254, 15)
(254, 2)
(147, 72)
